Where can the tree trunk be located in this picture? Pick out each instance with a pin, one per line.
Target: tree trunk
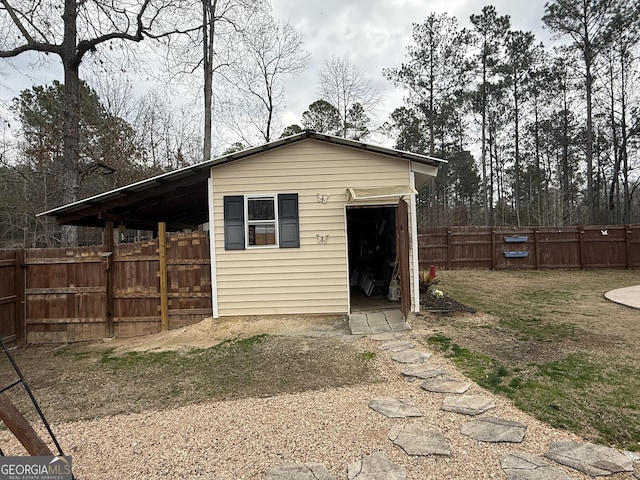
(208, 32)
(71, 149)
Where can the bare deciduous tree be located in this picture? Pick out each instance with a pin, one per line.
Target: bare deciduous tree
(71, 31)
(273, 50)
(343, 85)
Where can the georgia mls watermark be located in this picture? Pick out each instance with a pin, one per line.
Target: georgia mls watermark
(36, 468)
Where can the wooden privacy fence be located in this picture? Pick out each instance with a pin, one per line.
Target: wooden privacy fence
(530, 248)
(89, 293)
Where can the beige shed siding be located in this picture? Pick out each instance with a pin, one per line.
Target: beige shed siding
(312, 278)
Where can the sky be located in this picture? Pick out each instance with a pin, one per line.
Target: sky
(374, 34)
(370, 34)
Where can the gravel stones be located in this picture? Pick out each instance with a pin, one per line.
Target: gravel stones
(417, 441)
(445, 385)
(522, 466)
(494, 430)
(468, 404)
(376, 466)
(394, 408)
(298, 471)
(594, 460)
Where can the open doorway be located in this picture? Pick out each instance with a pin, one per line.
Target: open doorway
(371, 234)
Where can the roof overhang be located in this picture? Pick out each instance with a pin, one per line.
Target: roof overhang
(359, 194)
(180, 198)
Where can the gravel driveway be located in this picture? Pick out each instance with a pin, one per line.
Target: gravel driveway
(241, 438)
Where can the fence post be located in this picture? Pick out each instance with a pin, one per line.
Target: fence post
(164, 290)
(581, 242)
(627, 240)
(535, 245)
(108, 263)
(448, 249)
(493, 249)
(21, 300)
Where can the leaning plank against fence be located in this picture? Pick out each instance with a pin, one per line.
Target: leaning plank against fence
(530, 247)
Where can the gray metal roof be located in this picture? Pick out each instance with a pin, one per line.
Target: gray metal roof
(179, 198)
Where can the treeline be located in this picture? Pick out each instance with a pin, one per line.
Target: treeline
(534, 135)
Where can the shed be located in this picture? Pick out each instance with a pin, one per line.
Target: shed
(308, 224)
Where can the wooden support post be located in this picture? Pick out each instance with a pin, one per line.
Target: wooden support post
(164, 290)
(21, 300)
(108, 263)
(22, 430)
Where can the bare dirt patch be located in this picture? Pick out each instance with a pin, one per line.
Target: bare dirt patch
(212, 360)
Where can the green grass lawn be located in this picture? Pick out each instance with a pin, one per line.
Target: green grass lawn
(553, 344)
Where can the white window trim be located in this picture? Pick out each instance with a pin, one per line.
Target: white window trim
(247, 222)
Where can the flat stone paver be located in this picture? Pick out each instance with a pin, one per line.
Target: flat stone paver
(419, 442)
(411, 356)
(394, 408)
(594, 460)
(394, 316)
(397, 345)
(494, 430)
(298, 471)
(376, 466)
(358, 324)
(522, 466)
(376, 318)
(378, 323)
(468, 404)
(421, 371)
(399, 327)
(445, 385)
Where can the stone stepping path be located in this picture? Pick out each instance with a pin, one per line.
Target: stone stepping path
(394, 408)
(594, 460)
(419, 442)
(494, 430)
(397, 345)
(411, 356)
(420, 371)
(376, 466)
(522, 466)
(298, 471)
(445, 385)
(468, 404)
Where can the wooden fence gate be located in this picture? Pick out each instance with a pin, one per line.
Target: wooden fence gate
(12, 297)
(61, 295)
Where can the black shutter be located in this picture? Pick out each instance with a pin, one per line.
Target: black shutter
(288, 223)
(234, 222)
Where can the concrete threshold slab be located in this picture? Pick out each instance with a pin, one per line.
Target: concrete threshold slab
(384, 321)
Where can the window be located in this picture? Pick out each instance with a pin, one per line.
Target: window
(261, 221)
